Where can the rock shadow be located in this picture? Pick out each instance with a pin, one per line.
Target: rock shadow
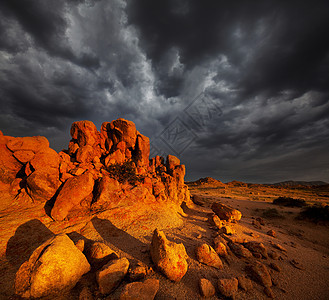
(28, 237)
(121, 239)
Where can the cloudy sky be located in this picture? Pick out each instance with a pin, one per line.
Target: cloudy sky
(235, 89)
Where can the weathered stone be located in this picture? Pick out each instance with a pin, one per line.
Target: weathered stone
(74, 190)
(106, 192)
(278, 246)
(271, 233)
(220, 247)
(137, 271)
(24, 156)
(73, 148)
(239, 250)
(227, 230)
(245, 283)
(55, 266)
(214, 220)
(206, 288)
(114, 158)
(260, 273)
(28, 143)
(9, 165)
(43, 184)
(80, 244)
(142, 151)
(257, 247)
(85, 154)
(228, 287)
(207, 255)
(110, 276)
(45, 160)
(123, 130)
(169, 258)
(225, 212)
(85, 133)
(171, 163)
(146, 290)
(99, 254)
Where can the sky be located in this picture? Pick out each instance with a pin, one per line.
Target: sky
(238, 90)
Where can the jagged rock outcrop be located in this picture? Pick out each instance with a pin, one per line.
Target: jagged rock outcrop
(100, 170)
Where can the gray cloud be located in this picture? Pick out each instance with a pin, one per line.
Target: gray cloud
(264, 64)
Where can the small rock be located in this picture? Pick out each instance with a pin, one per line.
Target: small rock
(137, 271)
(140, 290)
(257, 248)
(225, 212)
(268, 292)
(206, 288)
(261, 221)
(99, 254)
(170, 258)
(239, 250)
(256, 224)
(275, 267)
(80, 244)
(297, 264)
(207, 255)
(86, 294)
(228, 287)
(260, 273)
(278, 246)
(271, 233)
(227, 230)
(245, 283)
(110, 276)
(220, 248)
(214, 220)
(274, 255)
(199, 236)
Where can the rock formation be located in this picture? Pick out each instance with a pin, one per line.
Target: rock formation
(98, 171)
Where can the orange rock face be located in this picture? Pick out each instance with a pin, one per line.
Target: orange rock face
(9, 165)
(73, 192)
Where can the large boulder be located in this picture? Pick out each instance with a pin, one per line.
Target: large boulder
(9, 165)
(74, 190)
(208, 256)
(123, 130)
(107, 192)
(24, 156)
(85, 133)
(28, 143)
(169, 258)
(110, 276)
(42, 185)
(85, 154)
(225, 212)
(54, 267)
(45, 159)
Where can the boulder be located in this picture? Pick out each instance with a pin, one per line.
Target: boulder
(257, 248)
(106, 192)
(111, 275)
(24, 156)
(28, 143)
(220, 247)
(214, 220)
(239, 250)
(46, 159)
(85, 133)
(146, 290)
(169, 258)
(225, 212)
(245, 283)
(208, 256)
(137, 271)
(9, 165)
(85, 154)
(206, 288)
(260, 273)
(54, 267)
(74, 190)
(228, 287)
(42, 185)
(99, 254)
(123, 130)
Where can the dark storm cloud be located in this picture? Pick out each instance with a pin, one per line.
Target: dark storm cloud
(264, 64)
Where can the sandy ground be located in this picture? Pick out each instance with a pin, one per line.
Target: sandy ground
(23, 229)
